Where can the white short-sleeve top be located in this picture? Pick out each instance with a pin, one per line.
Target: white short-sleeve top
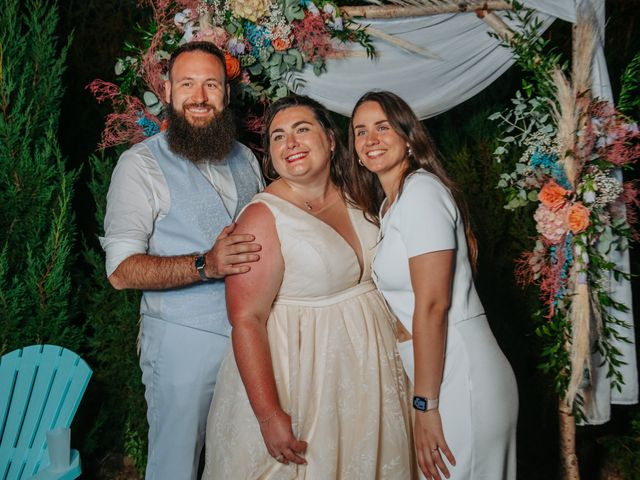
(424, 218)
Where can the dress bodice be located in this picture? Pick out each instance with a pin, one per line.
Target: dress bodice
(318, 260)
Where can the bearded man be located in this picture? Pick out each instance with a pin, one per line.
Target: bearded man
(168, 203)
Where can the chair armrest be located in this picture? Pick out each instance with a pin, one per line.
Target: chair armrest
(71, 473)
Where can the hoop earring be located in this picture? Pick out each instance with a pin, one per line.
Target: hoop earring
(360, 162)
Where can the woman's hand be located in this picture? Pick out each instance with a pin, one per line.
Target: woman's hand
(430, 445)
(279, 439)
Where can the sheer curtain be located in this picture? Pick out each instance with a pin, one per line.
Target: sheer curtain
(463, 60)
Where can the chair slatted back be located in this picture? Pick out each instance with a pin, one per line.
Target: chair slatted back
(40, 389)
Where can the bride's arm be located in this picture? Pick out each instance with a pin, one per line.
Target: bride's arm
(249, 299)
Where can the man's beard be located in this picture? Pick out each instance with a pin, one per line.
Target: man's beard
(211, 142)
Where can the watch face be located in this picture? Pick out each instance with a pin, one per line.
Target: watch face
(420, 403)
(199, 262)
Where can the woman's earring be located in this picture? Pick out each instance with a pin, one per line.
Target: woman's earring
(360, 162)
(409, 152)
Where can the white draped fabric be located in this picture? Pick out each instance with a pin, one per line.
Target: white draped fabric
(465, 60)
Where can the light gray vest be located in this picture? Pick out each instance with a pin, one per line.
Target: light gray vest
(195, 218)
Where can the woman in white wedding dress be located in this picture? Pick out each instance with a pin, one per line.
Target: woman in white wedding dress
(465, 394)
(314, 386)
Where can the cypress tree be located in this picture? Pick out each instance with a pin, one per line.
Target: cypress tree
(112, 316)
(37, 227)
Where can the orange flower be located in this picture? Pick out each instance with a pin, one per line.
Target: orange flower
(578, 217)
(280, 44)
(553, 196)
(232, 65)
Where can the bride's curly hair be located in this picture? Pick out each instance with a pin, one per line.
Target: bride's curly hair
(363, 187)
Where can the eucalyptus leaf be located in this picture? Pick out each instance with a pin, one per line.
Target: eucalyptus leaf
(274, 72)
(150, 99)
(299, 59)
(255, 69)
(275, 59)
(119, 67)
(282, 91)
(292, 10)
(156, 109)
(500, 150)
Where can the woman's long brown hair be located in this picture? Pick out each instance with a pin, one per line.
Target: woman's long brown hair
(363, 187)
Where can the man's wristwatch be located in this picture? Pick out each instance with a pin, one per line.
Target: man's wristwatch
(424, 404)
(200, 264)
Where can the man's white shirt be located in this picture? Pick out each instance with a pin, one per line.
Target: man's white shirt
(139, 196)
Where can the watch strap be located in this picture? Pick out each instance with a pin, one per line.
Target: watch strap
(423, 404)
(200, 263)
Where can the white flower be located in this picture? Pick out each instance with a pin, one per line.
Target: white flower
(188, 33)
(337, 24)
(312, 8)
(330, 9)
(182, 17)
(589, 196)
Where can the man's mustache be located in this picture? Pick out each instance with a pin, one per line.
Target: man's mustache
(198, 105)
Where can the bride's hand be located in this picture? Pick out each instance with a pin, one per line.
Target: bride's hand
(279, 439)
(431, 445)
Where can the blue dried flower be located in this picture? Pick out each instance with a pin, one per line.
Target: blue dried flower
(149, 127)
(541, 159)
(560, 176)
(257, 36)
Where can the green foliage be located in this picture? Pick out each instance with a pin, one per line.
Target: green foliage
(112, 318)
(629, 101)
(533, 53)
(624, 450)
(37, 301)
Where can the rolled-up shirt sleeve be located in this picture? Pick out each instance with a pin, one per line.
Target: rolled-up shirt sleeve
(132, 206)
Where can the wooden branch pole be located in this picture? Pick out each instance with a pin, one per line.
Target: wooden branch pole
(408, 9)
(496, 23)
(568, 455)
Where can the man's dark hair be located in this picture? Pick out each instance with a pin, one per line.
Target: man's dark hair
(206, 47)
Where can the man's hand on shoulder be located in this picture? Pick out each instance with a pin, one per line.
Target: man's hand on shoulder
(230, 253)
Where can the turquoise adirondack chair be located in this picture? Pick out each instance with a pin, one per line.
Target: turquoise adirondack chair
(40, 389)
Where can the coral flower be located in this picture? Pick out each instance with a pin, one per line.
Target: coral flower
(232, 65)
(578, 217)
(280, 44)
(552, 195)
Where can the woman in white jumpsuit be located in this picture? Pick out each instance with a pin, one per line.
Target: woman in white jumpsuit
(465, 394)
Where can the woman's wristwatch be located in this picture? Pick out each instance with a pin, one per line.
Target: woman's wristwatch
(423, 404)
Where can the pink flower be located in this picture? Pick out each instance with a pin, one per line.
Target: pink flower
(552, 225)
